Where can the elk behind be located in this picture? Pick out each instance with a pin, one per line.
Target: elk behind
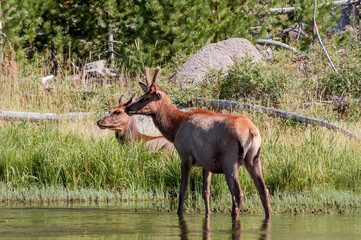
(219, 143)
(126, 129)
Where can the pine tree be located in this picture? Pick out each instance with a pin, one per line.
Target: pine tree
(147, 33)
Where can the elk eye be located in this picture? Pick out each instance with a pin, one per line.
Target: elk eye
(118, 112)
(147, 99)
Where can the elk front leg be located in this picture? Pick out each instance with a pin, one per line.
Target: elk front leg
(206, 188)
(185, 176)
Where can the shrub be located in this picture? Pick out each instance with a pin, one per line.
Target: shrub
(246, 80)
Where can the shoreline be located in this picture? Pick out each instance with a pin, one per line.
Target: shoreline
(332, 202)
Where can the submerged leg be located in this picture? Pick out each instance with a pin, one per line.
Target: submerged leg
(186, 173)
(255, 170)
(206, 189)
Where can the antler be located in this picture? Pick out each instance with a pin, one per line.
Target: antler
(157, 70)
(146, 86)
(147, 76)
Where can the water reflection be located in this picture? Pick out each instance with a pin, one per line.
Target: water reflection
(236, 230)
(183, 228)
(117, 223)
(206, 228)
(265, 229)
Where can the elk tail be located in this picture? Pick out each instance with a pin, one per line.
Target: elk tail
(244, 145)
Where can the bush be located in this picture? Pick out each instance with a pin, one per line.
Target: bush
(345, 83)
(246, 80)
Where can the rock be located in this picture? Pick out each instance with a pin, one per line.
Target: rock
(146, 125)
(95, 65)
(94, 74)
(215, 56)
(349, 16)
(98, 68)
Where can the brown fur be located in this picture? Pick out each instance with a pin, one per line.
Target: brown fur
(126, 129)
(220, 143)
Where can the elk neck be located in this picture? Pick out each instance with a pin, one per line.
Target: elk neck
(132, 133)
(168, 119)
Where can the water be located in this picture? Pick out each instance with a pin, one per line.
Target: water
(121, 223)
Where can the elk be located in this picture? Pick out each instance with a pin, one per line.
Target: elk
(126, 129)
(219, 143)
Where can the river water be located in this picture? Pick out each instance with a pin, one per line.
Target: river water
(99, 222)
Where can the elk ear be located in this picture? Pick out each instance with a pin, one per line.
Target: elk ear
(122, 100)
(131, 99)
(159, 94)
(143, 86)
(153, 88)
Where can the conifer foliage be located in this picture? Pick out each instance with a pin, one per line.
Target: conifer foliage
(145, 33)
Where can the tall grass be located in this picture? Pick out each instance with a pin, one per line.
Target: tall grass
(306, 168)
(24, 90)
(43, 156)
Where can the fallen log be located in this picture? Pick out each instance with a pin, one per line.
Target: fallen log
(291, 10)
(279, 44)
(34, 116)
(285, 31)
(227, 104)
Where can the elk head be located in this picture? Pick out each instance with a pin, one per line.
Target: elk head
(117, 120)
(149, 103)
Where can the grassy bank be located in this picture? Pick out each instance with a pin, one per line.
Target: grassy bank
(308, 170)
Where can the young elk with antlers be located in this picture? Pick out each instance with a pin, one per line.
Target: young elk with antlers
(126, 130)
(220, 143)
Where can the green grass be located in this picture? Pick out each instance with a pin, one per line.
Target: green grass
(306, 168)
(45, 163)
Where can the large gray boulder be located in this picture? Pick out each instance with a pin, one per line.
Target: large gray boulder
(215, 56)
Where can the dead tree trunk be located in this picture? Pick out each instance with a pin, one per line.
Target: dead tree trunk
(111, 44)
(291, 10)
(33, 116)
(227, 104)
(1, 39)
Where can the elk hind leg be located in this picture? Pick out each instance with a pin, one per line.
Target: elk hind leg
(231, 175)
(253, 166)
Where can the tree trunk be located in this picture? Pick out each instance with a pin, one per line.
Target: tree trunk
(1, 39)
(111, 44)
(32, 116)
(227, 104)
(291, 10)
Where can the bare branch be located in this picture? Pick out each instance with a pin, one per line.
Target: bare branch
(319, 38)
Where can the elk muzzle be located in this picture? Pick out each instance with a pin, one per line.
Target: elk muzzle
(99, 123)
(129, 111)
